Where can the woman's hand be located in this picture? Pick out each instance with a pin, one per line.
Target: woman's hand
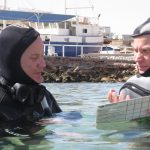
(47, 121)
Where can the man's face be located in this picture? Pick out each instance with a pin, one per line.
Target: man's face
(32, 60)
(141, 47)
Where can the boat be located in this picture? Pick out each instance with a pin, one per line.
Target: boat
(63, 35)
(72, 37)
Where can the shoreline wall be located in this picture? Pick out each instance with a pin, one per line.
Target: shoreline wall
(76, 69)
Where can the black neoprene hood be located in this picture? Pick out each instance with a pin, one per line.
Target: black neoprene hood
(14, 40)
(143, 29)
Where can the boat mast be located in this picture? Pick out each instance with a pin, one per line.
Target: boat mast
(75, 8)
(4, 21)
(4, 4)
(65, 6)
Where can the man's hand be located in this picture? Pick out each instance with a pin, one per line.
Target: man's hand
(113, 97)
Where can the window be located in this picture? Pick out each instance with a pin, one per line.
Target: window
(107, 49)
(84, 30)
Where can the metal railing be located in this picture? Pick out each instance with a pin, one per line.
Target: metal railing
(99, 55)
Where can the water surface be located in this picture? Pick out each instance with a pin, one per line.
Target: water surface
(80, 133)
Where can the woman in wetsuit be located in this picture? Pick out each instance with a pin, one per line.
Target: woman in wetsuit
(22, 97)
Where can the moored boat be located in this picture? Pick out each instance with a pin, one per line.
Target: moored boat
(63, 35)
(72, 37)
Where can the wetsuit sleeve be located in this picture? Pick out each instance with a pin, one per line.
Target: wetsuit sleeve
(6, 110)
(52, 103)
(134, 88)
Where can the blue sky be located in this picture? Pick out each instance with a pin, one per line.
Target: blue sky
(121, 15)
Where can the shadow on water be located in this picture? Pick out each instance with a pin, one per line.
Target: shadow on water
(17, 136)
(74, 134)
(130, 133)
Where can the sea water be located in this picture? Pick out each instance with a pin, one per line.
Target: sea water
(79, 133)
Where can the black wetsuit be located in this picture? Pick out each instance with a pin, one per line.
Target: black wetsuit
(22, 100)
(26, 104)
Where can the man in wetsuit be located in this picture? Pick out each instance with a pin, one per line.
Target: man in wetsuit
(22, 97)
(138, 85)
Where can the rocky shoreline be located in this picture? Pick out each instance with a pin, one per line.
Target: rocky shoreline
(76, 69)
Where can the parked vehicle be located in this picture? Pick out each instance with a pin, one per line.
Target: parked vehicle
(109, 49)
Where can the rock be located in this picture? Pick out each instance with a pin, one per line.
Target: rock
(67, 69)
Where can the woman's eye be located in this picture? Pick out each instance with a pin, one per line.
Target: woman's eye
(33, 57)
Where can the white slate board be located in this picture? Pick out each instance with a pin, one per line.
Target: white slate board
(124, 111)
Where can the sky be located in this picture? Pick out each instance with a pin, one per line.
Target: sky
(123, 16)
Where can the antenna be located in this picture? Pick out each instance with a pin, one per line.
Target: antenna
(75, 8)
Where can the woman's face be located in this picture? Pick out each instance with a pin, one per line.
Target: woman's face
(32, 60)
